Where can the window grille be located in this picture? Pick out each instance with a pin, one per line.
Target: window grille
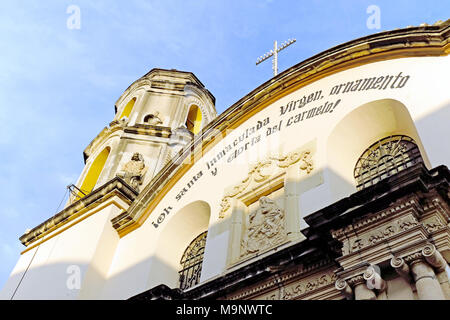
(385, 158)
(191, 262)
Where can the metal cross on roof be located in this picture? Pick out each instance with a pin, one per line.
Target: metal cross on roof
(274, 53)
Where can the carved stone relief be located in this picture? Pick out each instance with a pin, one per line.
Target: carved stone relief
(378, 227)
(300, 281)
(308, 285)
(154, 119)
(133, 171)
(265, 228)
(263, 171)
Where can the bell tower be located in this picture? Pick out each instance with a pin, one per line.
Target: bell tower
(155, 117)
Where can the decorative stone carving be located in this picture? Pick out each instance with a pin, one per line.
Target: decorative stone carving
(343, 286)
(133, 171)
(401, 268)
(433, 224)
(410, 258)
(295, 156)
(380, 234)
(423, 266)
(308, 285)
(154, 119)
(434, 257)
(265, 228)
(120, 122)
(263, 170)
(299, 281)
(356, 280)
(359, 235)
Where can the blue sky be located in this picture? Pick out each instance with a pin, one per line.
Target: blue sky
(58, 86)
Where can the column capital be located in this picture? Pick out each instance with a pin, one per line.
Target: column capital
(414, 258)
(434, 257)
(343, 286)
(356, 280)
(401, 267)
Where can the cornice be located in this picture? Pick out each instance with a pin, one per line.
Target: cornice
(121, 126)
(186, 78)
(113, 127)
(371, 219)
(115, 186)
(149, 130)
(285, 278)
(380, 196)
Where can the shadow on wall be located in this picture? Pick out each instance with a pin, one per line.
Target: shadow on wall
(50, 281)
(56, 281)
(163, 265)
(435, 132)
(357, 131)
(184, 226)
(70, 281)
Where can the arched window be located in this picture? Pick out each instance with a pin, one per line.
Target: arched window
(94, 172)
(194, 119)
(191, 262)
(127, 110)
(385, 158)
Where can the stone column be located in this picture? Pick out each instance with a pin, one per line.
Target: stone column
(434, 257)
(440, 265)
(362, 292)
(427, 286)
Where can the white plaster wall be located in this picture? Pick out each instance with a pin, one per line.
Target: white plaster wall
(15, 278)
(88, 245)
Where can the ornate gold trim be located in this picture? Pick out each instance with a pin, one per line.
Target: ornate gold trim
(114, 187)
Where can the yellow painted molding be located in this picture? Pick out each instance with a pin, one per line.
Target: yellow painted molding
(80, 216)
(115, 187)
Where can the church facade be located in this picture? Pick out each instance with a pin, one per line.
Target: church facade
(328, 181)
